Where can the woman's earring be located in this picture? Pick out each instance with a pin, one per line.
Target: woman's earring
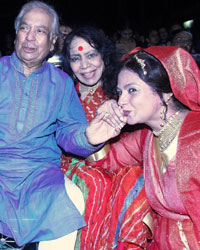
(163, 112)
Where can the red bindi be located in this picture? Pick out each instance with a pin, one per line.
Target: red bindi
(80, 48)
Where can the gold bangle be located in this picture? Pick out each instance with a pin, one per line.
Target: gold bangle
(148, 221)
(99, 154)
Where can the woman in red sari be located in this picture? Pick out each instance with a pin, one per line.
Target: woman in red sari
(89, 57)
(160, 87)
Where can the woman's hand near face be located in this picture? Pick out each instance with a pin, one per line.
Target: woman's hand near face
(107, 124)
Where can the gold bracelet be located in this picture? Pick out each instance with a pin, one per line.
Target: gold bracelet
(148, 221)
(99, 154)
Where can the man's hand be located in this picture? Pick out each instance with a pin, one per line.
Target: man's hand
(107, 124)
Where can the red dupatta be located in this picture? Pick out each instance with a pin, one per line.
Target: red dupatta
(183, 72)
(184, 78)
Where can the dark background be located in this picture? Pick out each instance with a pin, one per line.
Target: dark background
(111, 14)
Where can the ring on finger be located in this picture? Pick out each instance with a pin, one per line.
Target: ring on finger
(107, 115)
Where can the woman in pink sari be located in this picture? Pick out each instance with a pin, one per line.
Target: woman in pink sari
(160, 87)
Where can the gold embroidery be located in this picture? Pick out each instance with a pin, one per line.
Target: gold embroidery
(167, 134)
(162, 157)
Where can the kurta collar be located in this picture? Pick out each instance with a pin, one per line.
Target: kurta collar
(17, 64)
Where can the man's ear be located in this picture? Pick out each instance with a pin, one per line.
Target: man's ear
(54, 39)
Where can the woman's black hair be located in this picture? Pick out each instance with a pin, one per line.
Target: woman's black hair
(149, 69)
(98, 40)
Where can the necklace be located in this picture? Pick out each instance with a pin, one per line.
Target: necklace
(88, 89)
(167, 134)
(85, 90)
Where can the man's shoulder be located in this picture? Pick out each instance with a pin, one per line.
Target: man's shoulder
(4, 59)
(57, 75)
(5, 63)
(56, 70)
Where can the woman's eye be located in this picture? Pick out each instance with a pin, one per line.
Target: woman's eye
(92, 55)
(74, 59)
(132, 90)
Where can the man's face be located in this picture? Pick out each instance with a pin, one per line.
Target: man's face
(154, 37)
(64, 31)
(183, 40)
(33, 41)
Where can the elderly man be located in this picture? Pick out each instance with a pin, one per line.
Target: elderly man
(39, 113)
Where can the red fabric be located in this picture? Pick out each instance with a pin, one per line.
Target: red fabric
(122, 153)
(184, 78)
(173, 227)
(165, 228)
(111, 197)
(183, 73)
(188, 167)
(123, 219)
(95, 184)
(92, 102)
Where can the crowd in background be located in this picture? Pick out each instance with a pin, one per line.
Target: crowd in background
(127, 38)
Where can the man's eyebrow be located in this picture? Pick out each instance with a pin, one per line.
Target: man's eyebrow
(38, 26)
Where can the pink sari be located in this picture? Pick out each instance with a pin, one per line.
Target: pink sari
(173, 228)
(174, 195)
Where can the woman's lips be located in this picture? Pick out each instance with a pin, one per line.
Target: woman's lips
(126, 112)
(89, 75)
